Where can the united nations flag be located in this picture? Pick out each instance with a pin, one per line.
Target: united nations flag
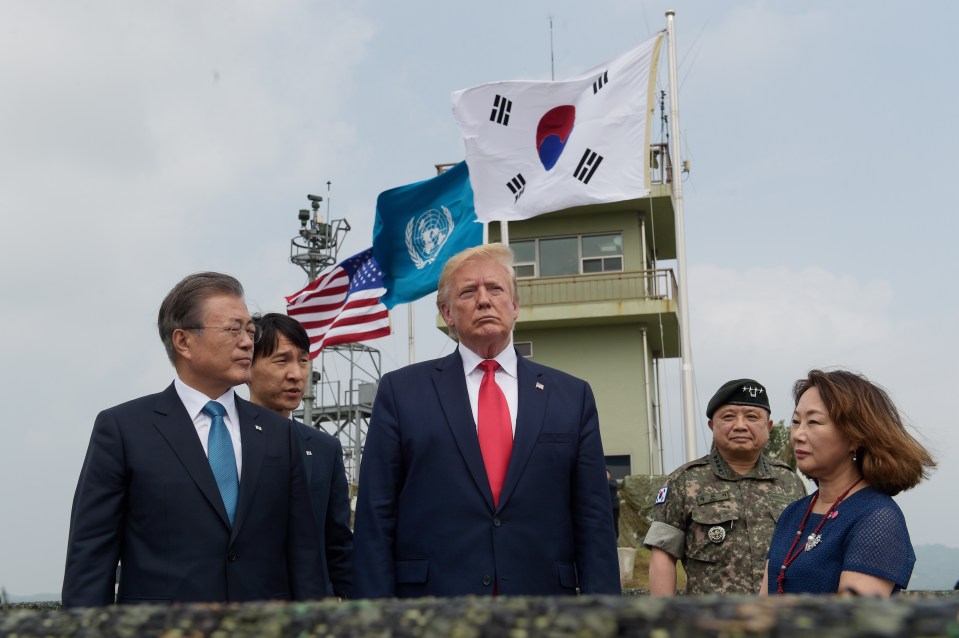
(418, 227)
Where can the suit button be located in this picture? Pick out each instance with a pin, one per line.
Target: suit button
(497, 522)
(487, 581)
(231, 556)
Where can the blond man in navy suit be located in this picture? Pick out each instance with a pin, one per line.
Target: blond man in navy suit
(430, 521)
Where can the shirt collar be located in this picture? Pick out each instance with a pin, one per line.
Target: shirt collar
(506, 359)
(194, 400)
(721, 467)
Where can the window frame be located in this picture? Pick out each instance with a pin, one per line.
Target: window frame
(606, 261)
(522, 345)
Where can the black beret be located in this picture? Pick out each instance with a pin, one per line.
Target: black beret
(739, 392)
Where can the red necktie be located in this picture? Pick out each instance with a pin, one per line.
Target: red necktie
(495, 429)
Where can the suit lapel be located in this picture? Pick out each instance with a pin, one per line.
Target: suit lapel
(450, 384)
(532, 393)
(176, 426)
(253, 451)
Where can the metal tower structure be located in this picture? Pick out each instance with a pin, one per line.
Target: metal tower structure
(339, 396)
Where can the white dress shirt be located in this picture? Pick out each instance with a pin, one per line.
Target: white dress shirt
(194, 400)
(505, 379)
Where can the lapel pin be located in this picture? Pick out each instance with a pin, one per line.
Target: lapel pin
(258, 428)
(309, 453)
(539, 386)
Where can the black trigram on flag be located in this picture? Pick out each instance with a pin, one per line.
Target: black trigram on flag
(516, 186)
(501, 109)
(600, 82)
(587, 166)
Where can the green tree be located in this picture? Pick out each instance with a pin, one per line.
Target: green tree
(780, 445)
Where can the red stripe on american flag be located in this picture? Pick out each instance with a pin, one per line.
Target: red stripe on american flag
(367, 318)
(332, 317)
(357, 337)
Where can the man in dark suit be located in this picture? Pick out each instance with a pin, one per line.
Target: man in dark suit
(200, 495)
(281, 367)
(483, 472)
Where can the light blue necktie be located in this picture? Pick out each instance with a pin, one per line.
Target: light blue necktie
(222, 458)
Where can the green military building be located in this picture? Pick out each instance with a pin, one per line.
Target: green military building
(594, 303)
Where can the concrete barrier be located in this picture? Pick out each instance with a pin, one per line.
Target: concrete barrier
(628, 616)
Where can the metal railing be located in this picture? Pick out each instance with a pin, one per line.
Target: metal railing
(607, 286)
(342, 408)
(660, 164)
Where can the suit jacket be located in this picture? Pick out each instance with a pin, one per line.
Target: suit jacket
(330, 495)
(147, 497)
(425, 520)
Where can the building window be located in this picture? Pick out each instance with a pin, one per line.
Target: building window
(525, 263)
(618, 466)
(559, 256)
(602, 253)
(575, 255)
(525, 348)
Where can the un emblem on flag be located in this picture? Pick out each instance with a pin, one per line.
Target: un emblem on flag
(426, 235)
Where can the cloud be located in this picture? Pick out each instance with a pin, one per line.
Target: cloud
(763, 314)
(747, 46)
(142, 142)
(774, 324)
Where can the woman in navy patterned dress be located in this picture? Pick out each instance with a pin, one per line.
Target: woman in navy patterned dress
(849, 536)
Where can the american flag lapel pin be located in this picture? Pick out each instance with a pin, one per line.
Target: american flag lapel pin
(539, 386)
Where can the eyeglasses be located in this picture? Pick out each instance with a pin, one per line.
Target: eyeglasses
(254, 332)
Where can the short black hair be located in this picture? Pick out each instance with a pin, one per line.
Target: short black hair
(272, 325)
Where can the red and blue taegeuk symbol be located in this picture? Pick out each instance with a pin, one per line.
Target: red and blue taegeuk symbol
(552, 132)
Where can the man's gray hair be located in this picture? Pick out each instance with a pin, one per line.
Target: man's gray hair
(183, 306)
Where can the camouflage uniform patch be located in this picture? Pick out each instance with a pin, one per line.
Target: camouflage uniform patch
(719, 523)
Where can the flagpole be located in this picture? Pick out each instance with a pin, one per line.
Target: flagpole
(412, 350)
(309, 395)
(689, 418)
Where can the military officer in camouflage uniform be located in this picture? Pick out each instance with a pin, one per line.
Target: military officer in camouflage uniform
(717, 514)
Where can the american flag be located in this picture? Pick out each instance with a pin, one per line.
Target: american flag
(343, 305)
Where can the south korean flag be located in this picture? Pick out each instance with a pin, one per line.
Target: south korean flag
(539, 147)
(661, 495)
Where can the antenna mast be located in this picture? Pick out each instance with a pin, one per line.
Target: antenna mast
(340, 407)
(315, 248)
(552, 59)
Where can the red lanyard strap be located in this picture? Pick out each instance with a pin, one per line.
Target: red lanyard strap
(813, 539)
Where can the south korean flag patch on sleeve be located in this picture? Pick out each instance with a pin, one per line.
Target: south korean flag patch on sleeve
(661, 495)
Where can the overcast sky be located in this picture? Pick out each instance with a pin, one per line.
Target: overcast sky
(142, 141)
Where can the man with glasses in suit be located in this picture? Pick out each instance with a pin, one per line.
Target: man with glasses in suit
(199, 495)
